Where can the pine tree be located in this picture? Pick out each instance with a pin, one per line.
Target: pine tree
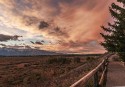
(114, 35)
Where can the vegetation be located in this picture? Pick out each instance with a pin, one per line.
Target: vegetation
(90, 58)
(45, 71)
(59, 61)
(77, 60)
(115, 32)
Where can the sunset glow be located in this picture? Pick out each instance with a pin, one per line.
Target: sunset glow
(68, 26)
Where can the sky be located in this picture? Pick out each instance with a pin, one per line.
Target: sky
(68, 26)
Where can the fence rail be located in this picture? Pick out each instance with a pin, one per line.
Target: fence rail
(99, 80)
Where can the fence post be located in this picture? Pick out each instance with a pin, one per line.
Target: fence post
(96, 84)
(105, 80)
(104, 64)
(94, 73)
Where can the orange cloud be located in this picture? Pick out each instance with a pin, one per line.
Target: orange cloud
(73, 25)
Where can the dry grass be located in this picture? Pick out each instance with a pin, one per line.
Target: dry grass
(42, 71)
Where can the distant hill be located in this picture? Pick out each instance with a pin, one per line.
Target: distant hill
(24, 52)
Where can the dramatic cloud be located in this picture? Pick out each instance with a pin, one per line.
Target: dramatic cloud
(8, 37)
(66, 25)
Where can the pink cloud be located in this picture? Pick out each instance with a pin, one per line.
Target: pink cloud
(79, 22)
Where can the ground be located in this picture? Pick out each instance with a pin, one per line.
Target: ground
(44, 71)
(116, 73)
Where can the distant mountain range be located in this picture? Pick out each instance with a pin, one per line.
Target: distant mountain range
(24, 52)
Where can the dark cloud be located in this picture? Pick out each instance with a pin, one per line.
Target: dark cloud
(8, 37)
(52, 30)
(3, 45)
(43, 41)
(32, 42)
(43, 24)
(29, 21)
(37, 42)
(57, 31)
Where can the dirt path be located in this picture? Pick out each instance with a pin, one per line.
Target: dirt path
(116, 74)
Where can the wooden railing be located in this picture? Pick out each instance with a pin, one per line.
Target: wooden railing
(99, 75)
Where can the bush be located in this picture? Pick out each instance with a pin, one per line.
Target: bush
(90, 58)
(27, 79)
(77, 60)
(59, 61)
(13, 80)
(34, 78)
(26, 65)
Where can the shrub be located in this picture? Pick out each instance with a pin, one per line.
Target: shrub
(13, 80)
(77, 60)
(26, 65)
(90, 58)
(59, 61)
(34, 78)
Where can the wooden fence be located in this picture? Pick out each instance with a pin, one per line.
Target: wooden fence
(99, 75)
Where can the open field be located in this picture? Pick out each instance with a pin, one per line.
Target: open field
(44, 71)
